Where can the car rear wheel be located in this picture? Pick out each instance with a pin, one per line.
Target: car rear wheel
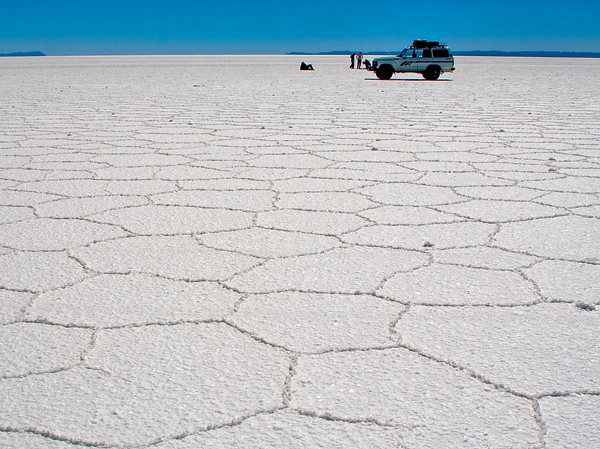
(432, 72)
(384, 72)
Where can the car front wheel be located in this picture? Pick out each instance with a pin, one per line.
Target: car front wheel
(384, 72)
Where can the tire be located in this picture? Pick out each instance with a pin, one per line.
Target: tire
(432, 73)
(384, 72)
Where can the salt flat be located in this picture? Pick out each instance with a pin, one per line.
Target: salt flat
(210, 251)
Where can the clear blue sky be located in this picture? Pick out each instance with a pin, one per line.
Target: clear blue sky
(78, 27)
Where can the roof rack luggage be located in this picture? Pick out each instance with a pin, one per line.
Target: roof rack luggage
(422, 43)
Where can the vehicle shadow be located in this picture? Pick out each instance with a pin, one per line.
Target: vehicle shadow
(407, 79)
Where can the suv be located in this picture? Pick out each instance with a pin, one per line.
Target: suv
(429, 59)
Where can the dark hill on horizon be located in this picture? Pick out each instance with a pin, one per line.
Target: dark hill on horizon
(23, 53)
(530, 54)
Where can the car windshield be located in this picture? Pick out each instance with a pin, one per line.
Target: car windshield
(403, 52)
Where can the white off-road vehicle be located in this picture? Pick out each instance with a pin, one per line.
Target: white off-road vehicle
(428, 58)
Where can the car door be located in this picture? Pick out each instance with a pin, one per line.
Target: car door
(409, 61)
(424, 59)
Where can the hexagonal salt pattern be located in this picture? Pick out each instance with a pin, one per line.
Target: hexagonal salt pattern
(341, 270)
(169, 220)
(269, 243)
(306, 322)
(433, 404)
(535, 351)
(115, 300)
(326, 223)
(45, 234)
(440, 236)
(39, 271)
(490, 211)
(208, 251)
(571, 238)
(443, 285)
(177, 257)
(191, 376)
(484, 257)
(30, 348)
(567, 281)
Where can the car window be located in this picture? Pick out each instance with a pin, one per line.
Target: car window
(427, 53)
(409, 53)
(441, 53)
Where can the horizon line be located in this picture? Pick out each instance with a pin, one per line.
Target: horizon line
(517, 53)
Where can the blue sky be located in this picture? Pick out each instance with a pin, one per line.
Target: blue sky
(79, 27)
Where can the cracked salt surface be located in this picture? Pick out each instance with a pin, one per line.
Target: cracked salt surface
(258, 260)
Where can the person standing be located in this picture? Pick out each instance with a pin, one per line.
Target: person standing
(352, 60)
(359, 59)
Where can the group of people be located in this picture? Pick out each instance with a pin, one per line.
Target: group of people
(359, 58)
(359, 61)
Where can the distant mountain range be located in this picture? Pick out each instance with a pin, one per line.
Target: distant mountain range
(23, 53)
(530, 54)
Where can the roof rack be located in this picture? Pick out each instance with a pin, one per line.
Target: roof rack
(422, 43)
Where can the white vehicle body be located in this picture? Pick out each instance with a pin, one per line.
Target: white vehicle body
(427, 58)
